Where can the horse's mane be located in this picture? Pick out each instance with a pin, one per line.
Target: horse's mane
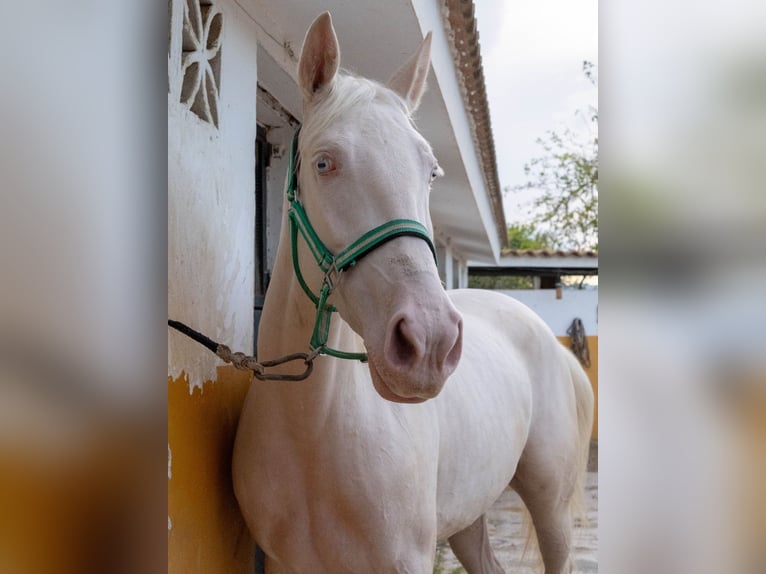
(346, 93)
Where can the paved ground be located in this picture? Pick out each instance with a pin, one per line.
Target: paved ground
(506, 533)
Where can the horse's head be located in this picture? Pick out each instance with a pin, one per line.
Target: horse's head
(364, 164)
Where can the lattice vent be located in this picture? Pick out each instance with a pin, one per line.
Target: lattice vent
(201, 60)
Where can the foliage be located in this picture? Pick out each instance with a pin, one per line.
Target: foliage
(566, 177)
(527, 236)
(500, 282)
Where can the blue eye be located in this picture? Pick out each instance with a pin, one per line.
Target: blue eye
(324, 165)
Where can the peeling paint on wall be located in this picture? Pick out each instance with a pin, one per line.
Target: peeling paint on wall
(211, 206)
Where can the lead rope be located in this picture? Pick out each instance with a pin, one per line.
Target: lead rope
(245, 362)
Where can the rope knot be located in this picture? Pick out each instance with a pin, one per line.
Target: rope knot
(239, 360)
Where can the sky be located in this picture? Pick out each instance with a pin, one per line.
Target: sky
(532, 53)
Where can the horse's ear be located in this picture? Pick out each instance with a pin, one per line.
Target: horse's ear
(320, 57)
(409, 81)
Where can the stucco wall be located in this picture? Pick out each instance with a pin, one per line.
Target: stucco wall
(559, 313)
(211, 205)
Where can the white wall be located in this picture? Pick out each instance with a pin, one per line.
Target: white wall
(211, 207)
(559, 313)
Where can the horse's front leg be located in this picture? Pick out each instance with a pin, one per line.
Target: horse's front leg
(413, 554)
(422, 563)
(472, 547)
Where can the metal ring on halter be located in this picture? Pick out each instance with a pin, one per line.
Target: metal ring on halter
(307, 358)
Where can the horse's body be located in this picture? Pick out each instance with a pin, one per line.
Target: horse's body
(333, 478)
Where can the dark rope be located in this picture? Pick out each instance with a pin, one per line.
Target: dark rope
(248, 362)
(196, 335)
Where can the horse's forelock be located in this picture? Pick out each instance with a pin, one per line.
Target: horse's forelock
(346, 94)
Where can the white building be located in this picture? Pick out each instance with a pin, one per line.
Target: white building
(558, 307)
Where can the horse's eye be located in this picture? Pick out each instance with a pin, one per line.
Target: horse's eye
(324, 165)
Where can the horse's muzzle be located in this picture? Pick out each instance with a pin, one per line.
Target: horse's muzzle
(420, 351)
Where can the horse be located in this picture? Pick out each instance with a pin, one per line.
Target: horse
(431, 402)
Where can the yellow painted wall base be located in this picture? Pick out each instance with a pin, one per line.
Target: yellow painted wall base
(747, 412)
(206, 532)
(592, 374)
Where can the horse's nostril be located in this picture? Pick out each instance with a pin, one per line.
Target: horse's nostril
(405, 346)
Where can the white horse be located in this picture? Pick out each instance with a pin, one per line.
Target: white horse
(364, 466)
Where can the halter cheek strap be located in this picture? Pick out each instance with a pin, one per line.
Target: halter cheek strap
(331, 264)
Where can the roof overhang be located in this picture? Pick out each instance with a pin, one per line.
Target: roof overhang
(375, 38)
(539, 263)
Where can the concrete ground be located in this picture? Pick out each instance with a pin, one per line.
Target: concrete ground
(508, 538)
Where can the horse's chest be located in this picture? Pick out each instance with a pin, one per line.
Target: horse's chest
(327, 473)
(333, 505)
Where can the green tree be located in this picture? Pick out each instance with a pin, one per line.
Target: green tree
(527, 236)
(566, 178)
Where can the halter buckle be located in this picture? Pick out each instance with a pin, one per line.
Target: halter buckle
(332, 275)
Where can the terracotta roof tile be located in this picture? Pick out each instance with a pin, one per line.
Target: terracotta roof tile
(463, 36)
(549, 252)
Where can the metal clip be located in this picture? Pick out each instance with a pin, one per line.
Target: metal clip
(307, 359)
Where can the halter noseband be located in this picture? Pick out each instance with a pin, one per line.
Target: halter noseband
(332, 265)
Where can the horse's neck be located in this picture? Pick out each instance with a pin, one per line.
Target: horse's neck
(288, 314)
(287, 322)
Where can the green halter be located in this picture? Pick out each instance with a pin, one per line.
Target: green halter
(332, 265)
